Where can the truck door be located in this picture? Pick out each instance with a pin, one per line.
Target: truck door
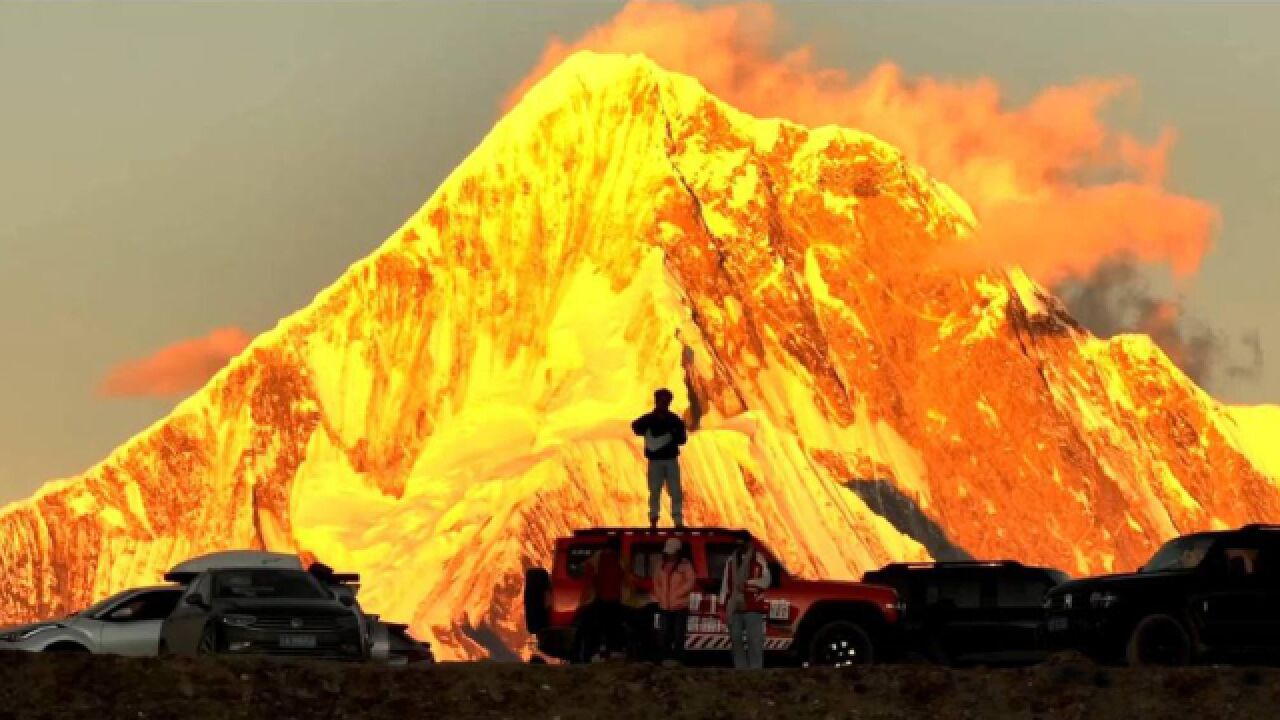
(1018, 611)
(957, 618)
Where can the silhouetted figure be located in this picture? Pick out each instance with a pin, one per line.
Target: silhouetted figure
(672, 584)
(602, 610)
(664, 433)
(746, 577)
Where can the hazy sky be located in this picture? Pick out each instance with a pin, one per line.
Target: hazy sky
(169, 169)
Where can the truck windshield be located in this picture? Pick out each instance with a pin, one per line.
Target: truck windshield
(1185, 553)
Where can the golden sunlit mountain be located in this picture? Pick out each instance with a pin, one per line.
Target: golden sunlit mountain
(463, 395)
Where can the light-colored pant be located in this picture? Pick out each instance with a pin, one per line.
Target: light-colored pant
(746, 632)
(665, 472)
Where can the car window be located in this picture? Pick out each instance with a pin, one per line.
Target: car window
(161, 603)
(646, 557)
(154, 605)
(1184, 553)
(1239, 561)
(266, 583)
(1021, 592)
(102, 605)
(959, 590)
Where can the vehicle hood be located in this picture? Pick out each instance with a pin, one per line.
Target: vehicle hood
(282, 606)
(839, 590)
(1119, 582)
(27, 626)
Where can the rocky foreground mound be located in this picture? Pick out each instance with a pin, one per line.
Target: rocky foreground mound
(44, 686)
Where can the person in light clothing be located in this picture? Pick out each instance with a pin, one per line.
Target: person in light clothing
(672, 584)
(664, 432)
(746, 577)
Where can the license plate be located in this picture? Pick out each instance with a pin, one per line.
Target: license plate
(1057, 624)
(297, 641)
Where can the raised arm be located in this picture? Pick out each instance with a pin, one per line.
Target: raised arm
(641, 424)
(766, 577)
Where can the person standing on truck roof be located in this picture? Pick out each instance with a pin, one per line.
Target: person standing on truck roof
(664, 432)
(601, 606)
(746, 577)
(672, 584)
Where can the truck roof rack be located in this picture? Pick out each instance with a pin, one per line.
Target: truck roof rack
(644, 531)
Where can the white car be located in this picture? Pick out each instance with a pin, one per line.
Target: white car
(127, 623)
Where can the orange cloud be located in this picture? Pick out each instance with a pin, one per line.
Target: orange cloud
(1029, 172)
(175, 369)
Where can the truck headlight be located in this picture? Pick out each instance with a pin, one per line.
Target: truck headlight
(239, 620)
(1102, 600)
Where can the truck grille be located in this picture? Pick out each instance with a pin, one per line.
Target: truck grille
(295, 623)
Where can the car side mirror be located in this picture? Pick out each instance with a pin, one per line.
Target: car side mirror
(194, 600)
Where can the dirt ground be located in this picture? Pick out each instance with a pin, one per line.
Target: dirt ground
(83, 686)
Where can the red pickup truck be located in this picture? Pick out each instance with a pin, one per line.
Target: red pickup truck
(815, 622)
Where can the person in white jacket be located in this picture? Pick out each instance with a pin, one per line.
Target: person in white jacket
(746, 577)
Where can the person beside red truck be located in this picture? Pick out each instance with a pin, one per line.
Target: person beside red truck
(604, 620)
(746, 577)
(672, 585)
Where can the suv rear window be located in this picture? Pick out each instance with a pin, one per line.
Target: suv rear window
(963, 590)
(1021, 591)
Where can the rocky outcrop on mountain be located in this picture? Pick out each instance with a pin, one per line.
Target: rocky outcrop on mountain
(460, 397)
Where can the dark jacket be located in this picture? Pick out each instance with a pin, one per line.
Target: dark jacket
(662, 422)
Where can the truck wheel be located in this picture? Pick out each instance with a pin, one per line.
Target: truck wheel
(841, 643)
(536, 584)
(1158, 640)
(208, 642)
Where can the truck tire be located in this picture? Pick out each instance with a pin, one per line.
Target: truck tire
(1158, 640)
(841, 643)
(536, 584)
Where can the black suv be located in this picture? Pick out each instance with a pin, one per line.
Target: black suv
(1208, 596)
(263, 610)
(961, 613)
